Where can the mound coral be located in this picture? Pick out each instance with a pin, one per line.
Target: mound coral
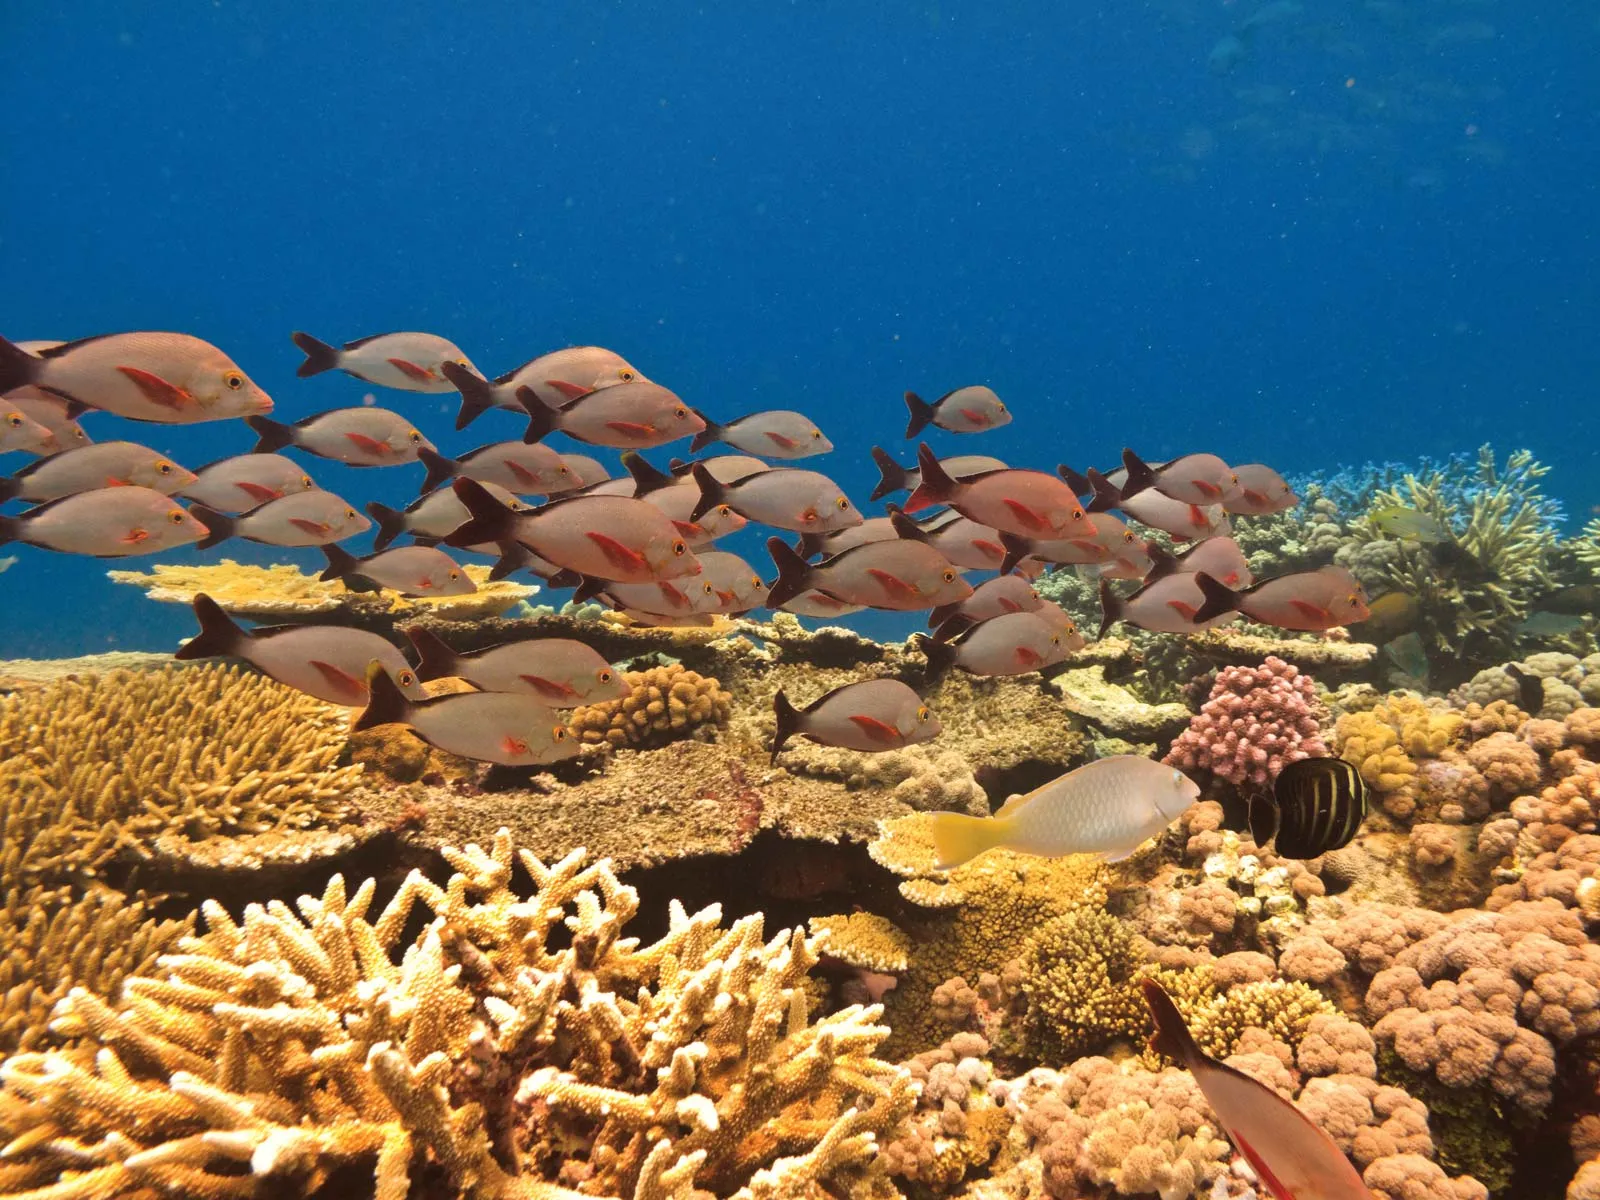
(1256, 720)
(663, 703)
(1387, 742)
(495, 1054)
(1078, 978)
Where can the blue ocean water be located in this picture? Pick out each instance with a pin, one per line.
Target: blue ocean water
(1356, 230)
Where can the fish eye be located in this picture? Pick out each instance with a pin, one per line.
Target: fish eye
(562, 470)
(234, 380)
(406, 679)
(455, 574)
(1077, 514)
(559, 733)
(1128, 536)
(707, 589)
(949, 576)
(349, 514)
(1177, 778)
(680, 412)
(816, 434)
(922, 712)
(414, 436)
(461, 362)
(1234, 479)
(627, 375)
(842, 503)
(755, 581)
(606, 675)
(176, 516)
(679, 548)
(305, 482)
(15, 420)
(724, 511)
(164, 467)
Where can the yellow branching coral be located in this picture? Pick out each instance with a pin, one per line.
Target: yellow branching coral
(1078, 974)
(516, 1046)
(1386, 742)
(1587, 546)
(664, 703)
(102, 765)
(863, 940)
(1283, 1008)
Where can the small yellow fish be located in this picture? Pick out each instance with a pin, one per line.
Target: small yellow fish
(1407, 524)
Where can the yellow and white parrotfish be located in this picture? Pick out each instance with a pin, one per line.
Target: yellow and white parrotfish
(19, 431)
(100, 465)
(242, 482)
(360, 436)
(407, 361)
(507, 728)
(170, 378)
(554, 378)
(871, 715)
(1292, 1156)
(113, 522)
(775, 434)
(298, 519)
(1108, 807)
(1407, 524)
(965, 410)
(409, 570)
(562, 672)
(326, 661)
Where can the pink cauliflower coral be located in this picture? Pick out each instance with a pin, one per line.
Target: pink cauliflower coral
(1563, 809)
(1509, 764)
(1256, 720)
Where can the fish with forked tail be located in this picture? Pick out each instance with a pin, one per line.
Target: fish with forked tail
(409, 362)
(409, 570)
(870, 715)
(112, 522)
(965, 410)
(358, 437)
(1029, 503)
(1310, 601)
(554, 378)
(561, 672)
(778, 433)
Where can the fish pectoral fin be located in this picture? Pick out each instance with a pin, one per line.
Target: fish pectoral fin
(988, 549)
(1009, 605)
(521, 472)
(341, 682)
(157, 390)
(878, 731)
(973, 415)
(549, 688)
(1259, 499)
(893, 584)
(136, 535)
(367, 444)
(1183, 609)
(616, 553)
(782, 442)
(1027, 516)
(1206, 488)
(570, 390)
(413, 371)
(1311, 611)
(689, 529)
(1028, 657)
(673, 594)
(260, 493)
(513, 746)
(315, 528)
(636, 429)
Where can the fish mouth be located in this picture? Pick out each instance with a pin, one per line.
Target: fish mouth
(263, 406)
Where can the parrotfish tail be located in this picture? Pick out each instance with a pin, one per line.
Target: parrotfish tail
(893, 477)
(645, 477)
(17, 367)
(936, 485)
(1172, 1037)
(320, 356)
(387, 705)
(477, 393)
(1111, 607)
(904, 526)
(589, 588)
(219, 527)
(958, 838)
(711, 433)
(220, 635)
(712, 493)
(271, 436)
(921, 413)
(10, 485)
(435, 660)
(788, 722)
(340, 563)
(1017, 549)
(1220, 598)
(1077, 482)
(489, 520)
(794, 573)
(391, 523)
(439, 467)
(1106, 496)
(541, 417)
(10, 530)
(1140, 476)
(940, 655)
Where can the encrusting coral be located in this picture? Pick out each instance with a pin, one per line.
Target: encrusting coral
(515, 1046)
(663, 703)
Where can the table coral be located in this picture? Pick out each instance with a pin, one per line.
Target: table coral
(1256, 721)
(514, 1046)
(663, 703)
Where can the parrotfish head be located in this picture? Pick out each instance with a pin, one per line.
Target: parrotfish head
(1175, 794)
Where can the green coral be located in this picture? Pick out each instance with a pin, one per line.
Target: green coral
(1472, 1130)
(1079, 978)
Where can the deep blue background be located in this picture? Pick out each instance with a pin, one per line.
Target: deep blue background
(1373, 238)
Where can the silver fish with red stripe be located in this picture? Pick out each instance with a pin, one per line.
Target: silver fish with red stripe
(114, 522)
(554, 378)
(561, 672)
(410, 362)
(361, 436)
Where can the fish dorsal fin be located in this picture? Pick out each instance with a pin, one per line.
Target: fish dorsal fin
(1162, 563)
(904, 526)
(646, 477)
(371, 337)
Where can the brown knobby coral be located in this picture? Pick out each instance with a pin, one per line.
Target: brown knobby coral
(663, 703)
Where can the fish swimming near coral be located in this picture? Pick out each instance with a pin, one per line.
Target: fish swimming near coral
(522, 469)
(1028, 503)
(819, 604)
(1002, 594)
(1546, 624)
(873, 529)
(1305, 600)
(1258, 491)
(326, 661)
(1191, 479)
(965, 410)
(892, 477)
(1149, 507)
(102, 464)
(737, 586)
(778, 433)
(1108, 807)
(409, 570)
(679, 498)
(361, 436)
(554, 379)
(409, 362)
(1405, 523)
(1291, 1155)
(561, 672)
(235, 484)
(898, 575)
(435, 515)
(114, 522)
(1012, 643)
(1409, 656)
(1530, 689)
(1317, 805)
(624, 416)
(870, 715)
(498, 727)
(298, 519)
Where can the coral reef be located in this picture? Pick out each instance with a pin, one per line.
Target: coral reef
(1389, 744)
(1256, 721)
(663, 703)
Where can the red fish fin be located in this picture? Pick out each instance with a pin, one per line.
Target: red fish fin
(157, 390)
(413, 371)
(1196, 517)
(368, 445)
(988, 549)
(522, 473)
(1183, 608)
(1028, 657)
(1276, 1186)
(1311, 611)
(616, 553)
(134, 536)
(570, 390)
(689, 529)
(878, 731)
(258, 492)
(513, 746)
(672, 593)
(893, 584)
(1206, 488)
(113, 481)
(785, 443)
(313, 527)
(632, 428)
(341, 682)
(549, 687)
(973, 415)
(1259, 499)
(1009, 605)
(1026, 515)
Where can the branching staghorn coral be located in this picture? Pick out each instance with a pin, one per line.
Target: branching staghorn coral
(100, 766)
(517, 1046)
(1587, 547)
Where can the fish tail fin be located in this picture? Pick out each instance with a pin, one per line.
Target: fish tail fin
(788, 719)
(589, 588)
(940, 655)
(808, 545)
(935, 486)
(477, 393)
(646, 478)
(391, 523)
(566, 577)
(1162, 562)
(219, 526)
(320, 356)
(1219, 598)
(340, 563)
(386, 703)
(1111, 608)
(920, 413)
(17, 367)
(10, 530)
(541, 417)
(711, 433)
(904, 527)
(1106, 496)
(220, 635)
(488, 520)
(1079, 483)
(712, 493)
(513, 557)
(1172, 1038)
(794, 573)
(958, 838)
(1017, 549)
(892, 476)
(439, 467)
(941, 614)
(1263, 819)
(1140, 476)
(10, 485)
(271, 436)
(435, 659)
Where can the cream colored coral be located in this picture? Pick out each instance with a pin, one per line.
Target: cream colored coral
(663, 703)
(863, 940)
